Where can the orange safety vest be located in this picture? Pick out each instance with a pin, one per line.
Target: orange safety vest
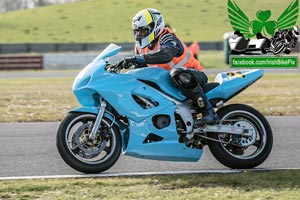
(186, 59)
(194, 48)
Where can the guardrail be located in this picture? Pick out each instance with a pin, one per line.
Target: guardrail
(74, 55)
(17, 62)
(54, 47)
(77, 47)
(80, 47)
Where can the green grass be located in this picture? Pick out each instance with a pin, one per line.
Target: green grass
(212, 59)
(107, 21)
(282, 184)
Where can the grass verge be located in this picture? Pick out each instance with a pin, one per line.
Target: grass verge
(96, 21)
(283, 184)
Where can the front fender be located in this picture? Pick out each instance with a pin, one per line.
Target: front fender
(92, 110)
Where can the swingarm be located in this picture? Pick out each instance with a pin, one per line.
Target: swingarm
(226, 129)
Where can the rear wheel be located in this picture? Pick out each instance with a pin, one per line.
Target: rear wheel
(242, 151)
(79, 152)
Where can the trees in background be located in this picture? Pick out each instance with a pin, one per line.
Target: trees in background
(9, 5)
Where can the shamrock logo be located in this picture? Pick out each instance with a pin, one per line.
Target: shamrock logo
(239, 21)
(262, 24)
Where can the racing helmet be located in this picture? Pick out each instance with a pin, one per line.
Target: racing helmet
(147, 25)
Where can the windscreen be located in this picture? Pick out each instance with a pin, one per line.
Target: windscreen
(110, 50)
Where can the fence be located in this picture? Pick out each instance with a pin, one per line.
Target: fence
(71, 56)
(14, 62)
(77, 47)
(63, 56)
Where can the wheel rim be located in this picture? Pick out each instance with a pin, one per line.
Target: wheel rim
(279, 47)
(251, 145)
(76, 139)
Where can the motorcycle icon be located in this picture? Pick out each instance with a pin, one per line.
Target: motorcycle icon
(282, 42)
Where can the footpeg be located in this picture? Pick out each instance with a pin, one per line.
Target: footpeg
(200, 102)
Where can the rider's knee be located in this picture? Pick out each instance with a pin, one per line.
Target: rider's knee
(183, 78)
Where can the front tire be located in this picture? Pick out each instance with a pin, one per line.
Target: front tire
(279, 47)
(82, 154)
(251, 150)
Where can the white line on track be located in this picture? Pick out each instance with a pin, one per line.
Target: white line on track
(228, 171)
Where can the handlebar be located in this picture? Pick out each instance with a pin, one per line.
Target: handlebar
(114, 68)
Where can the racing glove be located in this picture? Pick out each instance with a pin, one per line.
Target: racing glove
(136, 61)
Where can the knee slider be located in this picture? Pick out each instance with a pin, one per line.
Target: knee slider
(183, 78)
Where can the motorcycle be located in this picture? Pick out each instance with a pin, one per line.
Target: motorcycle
(281, 42)
(284, 40)
(140, 113)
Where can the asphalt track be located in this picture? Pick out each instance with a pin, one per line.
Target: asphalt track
(28, 149)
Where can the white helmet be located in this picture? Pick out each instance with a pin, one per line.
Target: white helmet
(147, 25)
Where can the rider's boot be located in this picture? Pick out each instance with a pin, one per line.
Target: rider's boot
(208, 114)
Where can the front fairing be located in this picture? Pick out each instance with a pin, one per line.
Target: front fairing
(91, 72)
(94, 71)
(96, 68)
(119, 90)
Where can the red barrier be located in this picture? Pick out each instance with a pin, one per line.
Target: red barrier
(21, 62)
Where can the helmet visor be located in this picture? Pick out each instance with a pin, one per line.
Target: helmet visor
(142, 32)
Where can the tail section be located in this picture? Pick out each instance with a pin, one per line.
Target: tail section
(232, 83)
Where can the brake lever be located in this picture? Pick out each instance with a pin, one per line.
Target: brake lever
(113, 68)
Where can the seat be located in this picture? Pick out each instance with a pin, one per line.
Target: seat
(209, 86)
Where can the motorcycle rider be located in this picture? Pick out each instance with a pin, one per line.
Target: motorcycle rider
(157, 45)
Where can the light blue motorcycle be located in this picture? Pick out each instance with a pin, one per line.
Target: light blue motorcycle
(142, 114)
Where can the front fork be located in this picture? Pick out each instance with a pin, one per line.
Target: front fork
(95, 128)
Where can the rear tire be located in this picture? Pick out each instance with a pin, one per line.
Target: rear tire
(255, 148)
(80, 153)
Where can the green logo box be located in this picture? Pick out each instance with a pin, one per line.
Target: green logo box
(276, 62)
(264, 23)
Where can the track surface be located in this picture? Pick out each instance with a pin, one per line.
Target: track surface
(28, 149)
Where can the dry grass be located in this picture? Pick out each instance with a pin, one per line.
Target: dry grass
(246, 185)
(37, 99)
(274, 94)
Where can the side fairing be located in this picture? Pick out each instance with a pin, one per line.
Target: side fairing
(161, 78)
(120, 90)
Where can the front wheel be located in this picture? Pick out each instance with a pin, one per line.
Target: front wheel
(242, 151)
(279, 47)
(79, 152)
